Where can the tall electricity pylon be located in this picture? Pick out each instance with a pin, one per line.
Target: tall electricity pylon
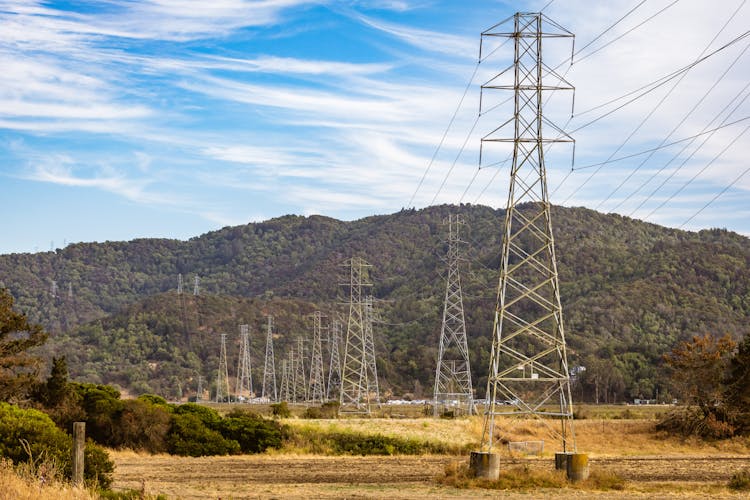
(222, 375)
(453, 389)
(196, 285)
(244, 386)
(269, 367)
(528, 365)
(357, 375)
(317, 390)
(334, 368)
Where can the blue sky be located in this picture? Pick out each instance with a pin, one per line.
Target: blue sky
(169, 118)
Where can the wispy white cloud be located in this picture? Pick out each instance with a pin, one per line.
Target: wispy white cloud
(431, 41)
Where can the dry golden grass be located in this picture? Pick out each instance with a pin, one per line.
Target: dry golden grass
(17, 485)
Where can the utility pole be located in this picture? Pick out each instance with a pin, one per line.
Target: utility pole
(357, 374)
(222, 375)
(317, 381)
(269, 368)
(244, 374)
(528, 366)
(453, 387)
(334, 368)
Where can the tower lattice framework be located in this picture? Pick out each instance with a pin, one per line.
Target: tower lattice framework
(317, 390)
(269, 366)
(333, 387)
(453, 389)
(244, 383)
(299, 378)
(358, 373)
(222, 375)
(528, 367)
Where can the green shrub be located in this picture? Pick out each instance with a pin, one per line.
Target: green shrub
(253, 433)
(189, 436)
(31, 437)
(97, 468)
(143, 426)
(281, 410)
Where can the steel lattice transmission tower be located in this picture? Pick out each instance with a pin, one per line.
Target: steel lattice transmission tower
(317, 390)
(299, 378)
(333, 390)
(222, 375)
(453, 387)
(269, 367)
(358, 373)
(244, 386)
(373, 390)
(285, 393)
(528, 365)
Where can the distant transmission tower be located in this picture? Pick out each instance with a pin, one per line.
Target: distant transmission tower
(373, 391)
(285, 394)
(528, 365)
(199, 390)
(244, 386)
(179, 284)
(299, 378)
(70, 290)
(53, 289)
(269, 367)
(222, 375)
(317, 389)
(453, 389)
(358, 375)
(196, 285)
(334, 368)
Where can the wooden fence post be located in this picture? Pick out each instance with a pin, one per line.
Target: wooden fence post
(79, 444)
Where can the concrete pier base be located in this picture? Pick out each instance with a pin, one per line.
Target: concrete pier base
(485, 465)
(561, 460)
(577, 466)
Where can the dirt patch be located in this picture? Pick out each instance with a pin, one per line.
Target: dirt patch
(267, 476)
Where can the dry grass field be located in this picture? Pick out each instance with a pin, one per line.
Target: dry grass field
(650, 465)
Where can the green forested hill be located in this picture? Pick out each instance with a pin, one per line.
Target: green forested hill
(630, 291)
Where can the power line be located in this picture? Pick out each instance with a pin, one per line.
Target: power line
(717, 196)
(675, 74)
(689, 113)
(690, 156)
(699, 172)
(608, 29)
(445, 134)
(628, 31)
(662, 146)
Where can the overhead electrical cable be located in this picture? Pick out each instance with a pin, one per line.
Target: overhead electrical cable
(689, 113)
(662, 146)
(445, 134)
(718, 195)
(673, 75)
(690, 156)
(628, 31)
(685, 185)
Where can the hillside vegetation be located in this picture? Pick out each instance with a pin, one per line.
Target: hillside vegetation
(630, 292)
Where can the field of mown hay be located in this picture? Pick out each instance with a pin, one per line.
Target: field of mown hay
(652, 465)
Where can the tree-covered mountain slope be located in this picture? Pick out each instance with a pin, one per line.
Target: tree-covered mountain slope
(630, 291)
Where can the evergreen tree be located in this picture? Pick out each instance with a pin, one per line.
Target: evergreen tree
(738, 386)
(18, 368)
